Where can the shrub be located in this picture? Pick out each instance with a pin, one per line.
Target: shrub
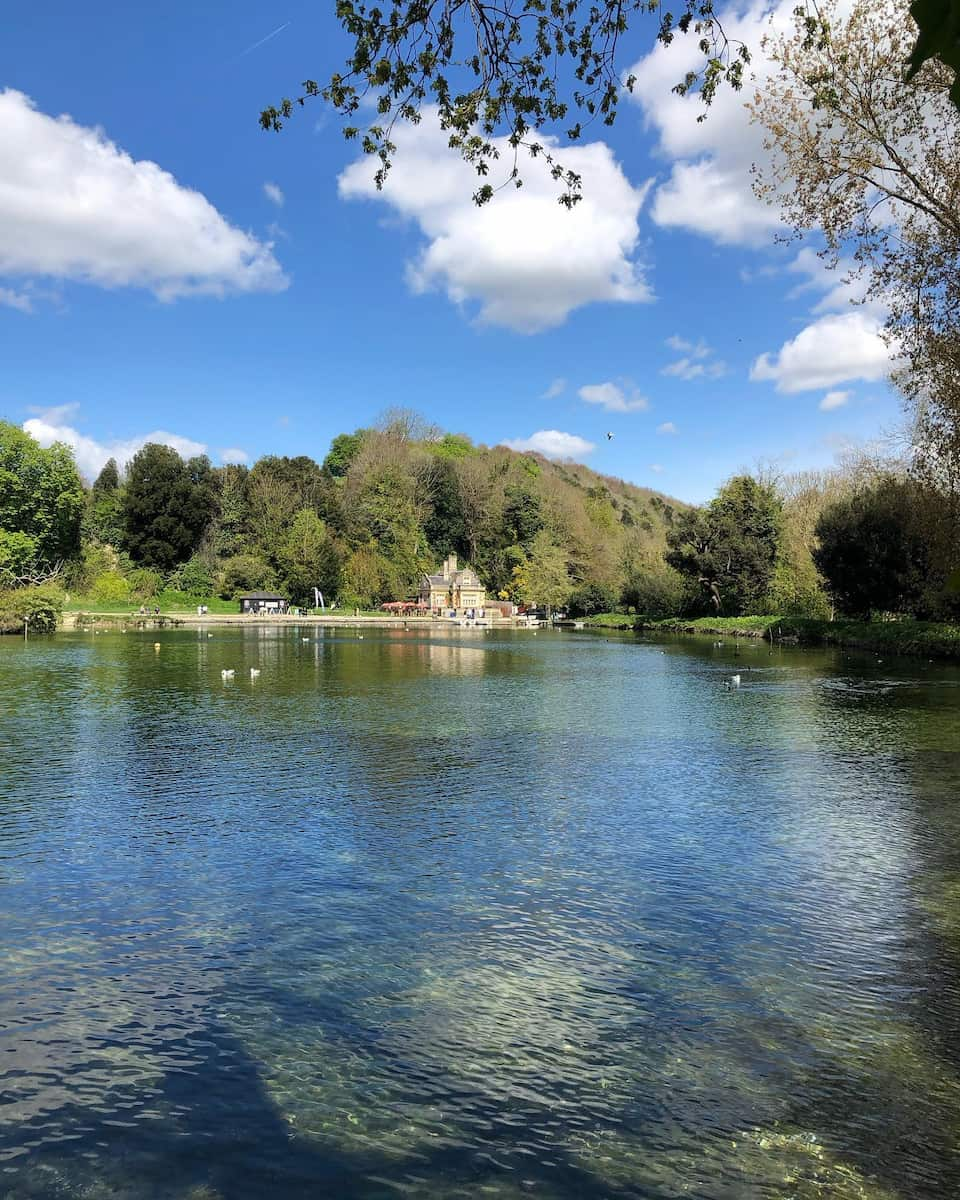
(39, 607)
(591, 598)
(243, 573)
(144, 583)
(193, 578)
(110, 587)
(654, 593)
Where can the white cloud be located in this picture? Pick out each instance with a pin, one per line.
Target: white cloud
(73, 205)
(18, 300)
(656, 468)
(709, 187)
(667, 427)
(526, 260)
(696, 363)
(612, 397)
(274, 194)
(556, 388)
(834, 400)
(552, 443)
(91, 454)
(233, 454)
(833, 349)
(698, 349)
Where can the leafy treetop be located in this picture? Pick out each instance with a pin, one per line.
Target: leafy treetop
(501, 68)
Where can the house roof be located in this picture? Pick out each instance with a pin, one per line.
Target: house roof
(464, 577)
(261, 596)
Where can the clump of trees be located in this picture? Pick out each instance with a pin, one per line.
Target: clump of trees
(385, 505)
(390, 502)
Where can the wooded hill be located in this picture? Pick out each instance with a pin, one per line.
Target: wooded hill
(385, 504)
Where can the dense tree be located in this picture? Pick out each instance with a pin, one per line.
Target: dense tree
(41, 498)
(728, 550)
(244, 573)
(445, 526)
(343, 450)
(873, 550)
(104, 516)
(309, 558)
(591, 598)
(167, 506)
(234, 516)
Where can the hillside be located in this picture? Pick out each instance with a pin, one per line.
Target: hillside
(384, 505)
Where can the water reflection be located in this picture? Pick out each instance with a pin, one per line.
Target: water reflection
(484, 914)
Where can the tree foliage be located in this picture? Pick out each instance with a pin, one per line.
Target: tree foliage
(728, 550)
(873, 551)
(872, 163)
(501, 69)
(167, 505)
(41, 498)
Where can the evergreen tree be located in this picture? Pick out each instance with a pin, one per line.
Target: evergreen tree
(728, 550)
(167, 506)
(104, 518)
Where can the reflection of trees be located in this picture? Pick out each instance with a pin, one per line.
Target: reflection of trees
(536, 938)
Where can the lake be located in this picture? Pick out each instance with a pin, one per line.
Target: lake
(476, 914)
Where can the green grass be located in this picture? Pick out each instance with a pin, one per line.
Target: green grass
(608, 620)
(167, 602)
(744, 626)
(925, 639)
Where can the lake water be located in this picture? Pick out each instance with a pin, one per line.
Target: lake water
(476, 914)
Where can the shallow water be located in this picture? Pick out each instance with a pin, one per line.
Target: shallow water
(476, 914)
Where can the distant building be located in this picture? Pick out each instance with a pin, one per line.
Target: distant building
(263, 602)
(454, 589)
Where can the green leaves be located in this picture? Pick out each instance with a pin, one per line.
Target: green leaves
(501, 68)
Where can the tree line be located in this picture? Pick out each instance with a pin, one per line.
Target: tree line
(390, 502)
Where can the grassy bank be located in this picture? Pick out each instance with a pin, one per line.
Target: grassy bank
(926, 639)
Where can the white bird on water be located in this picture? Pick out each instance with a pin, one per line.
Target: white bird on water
(225, 674)
(254, 672)
(732, 682)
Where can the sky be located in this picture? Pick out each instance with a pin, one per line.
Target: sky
(170, 272)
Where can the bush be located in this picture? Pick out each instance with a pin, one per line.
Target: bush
(144, 583)
(243, 573)
(654, 593)
(591, 598)
(873, 551)
(192, 578)
(39, 607)
(111, 587)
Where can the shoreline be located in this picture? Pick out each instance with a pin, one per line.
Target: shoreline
(911, 639)
(75, 620)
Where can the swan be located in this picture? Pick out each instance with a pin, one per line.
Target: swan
(225, 674)
(254, 672)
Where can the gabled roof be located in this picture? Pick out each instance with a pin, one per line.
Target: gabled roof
(261, 596)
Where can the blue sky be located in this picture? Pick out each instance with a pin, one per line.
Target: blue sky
(151, 283)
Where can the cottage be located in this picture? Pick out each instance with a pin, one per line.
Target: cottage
(453, 588)
(263, 602)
